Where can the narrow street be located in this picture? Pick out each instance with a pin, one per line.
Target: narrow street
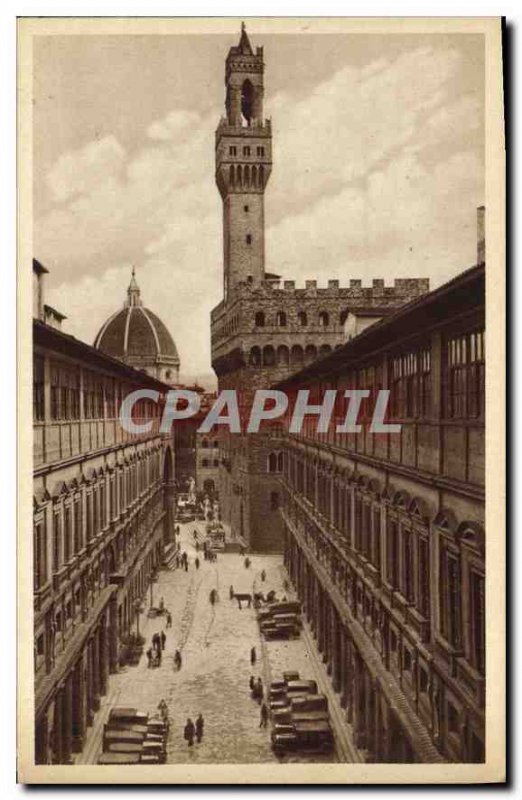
(215, 643)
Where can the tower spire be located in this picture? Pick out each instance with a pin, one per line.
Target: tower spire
(244, 42)
(133, 292)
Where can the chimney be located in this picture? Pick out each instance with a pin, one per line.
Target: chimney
(481, 235)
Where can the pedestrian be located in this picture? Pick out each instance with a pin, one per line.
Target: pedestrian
(252, 683)
(156, 641)
(199, 728)
(263, 575)
(158, 657)
(231, 592)
(197, 547)
(264, 716)
(169, 619)
(247, 562)
(259, 690)
(162, 605)
(163, 639)
(253, 656)
(186, 566)
(177, 659)
(189, 731)
(149, 657)
(196, 562)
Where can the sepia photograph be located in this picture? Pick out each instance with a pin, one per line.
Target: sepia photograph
(261, 501)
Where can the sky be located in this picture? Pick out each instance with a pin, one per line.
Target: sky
(378, 167)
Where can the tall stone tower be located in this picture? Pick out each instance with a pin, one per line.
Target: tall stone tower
(243, 165)
(265, 329)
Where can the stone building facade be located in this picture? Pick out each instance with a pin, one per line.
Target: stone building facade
(265, 328)
(103, 510)
(384, 533)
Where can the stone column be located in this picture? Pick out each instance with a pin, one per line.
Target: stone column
(113, 634)
(78, 706)
(104, 656)
(89, 684)
(58, 728)
(96, 670)
(67, 721)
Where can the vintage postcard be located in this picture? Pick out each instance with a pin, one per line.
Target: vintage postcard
(261, 305)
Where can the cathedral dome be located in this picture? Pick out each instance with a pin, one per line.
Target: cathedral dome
(135, 335)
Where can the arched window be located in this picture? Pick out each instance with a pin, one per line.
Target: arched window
(204, 462)
(268, 356)
(232, 176)
(324, 319)
(310, 353)
(204, 443)
(302, 318)
(281, 319)
(239, 176)
(247, 101)
(280, 462)
(283, 355)
(215, 443)
(261, 176)
(272, 462)
(259, 319)
(296, 355)
(255, 357)
(254, 176)
(246, 176)
(324, 350)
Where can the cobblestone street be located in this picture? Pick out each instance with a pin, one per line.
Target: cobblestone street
(215, 643)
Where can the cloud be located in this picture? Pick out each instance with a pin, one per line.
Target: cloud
(82, 171)
(377, 173)
(173, 125)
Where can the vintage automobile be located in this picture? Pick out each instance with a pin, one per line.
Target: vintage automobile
(309, 736)
(300, 687)
(132, 716)
(124, 747)
(157, 726)
(314, 735)
(117, 759)
(290, 675)
(315, 702)
(156, 749)
(279, 705)
(277, 684)
(122, 735)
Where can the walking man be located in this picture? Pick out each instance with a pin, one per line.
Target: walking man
(264, 716)
(263, 575)
(177, 659)
(199, 728)
(196, 562)
(149, 657)
(253, 656)
(163, 639)
(189, 731)
(259, 690)
(169, 619)
(252, 683)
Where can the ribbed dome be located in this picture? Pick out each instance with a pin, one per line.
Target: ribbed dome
(136, 335)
